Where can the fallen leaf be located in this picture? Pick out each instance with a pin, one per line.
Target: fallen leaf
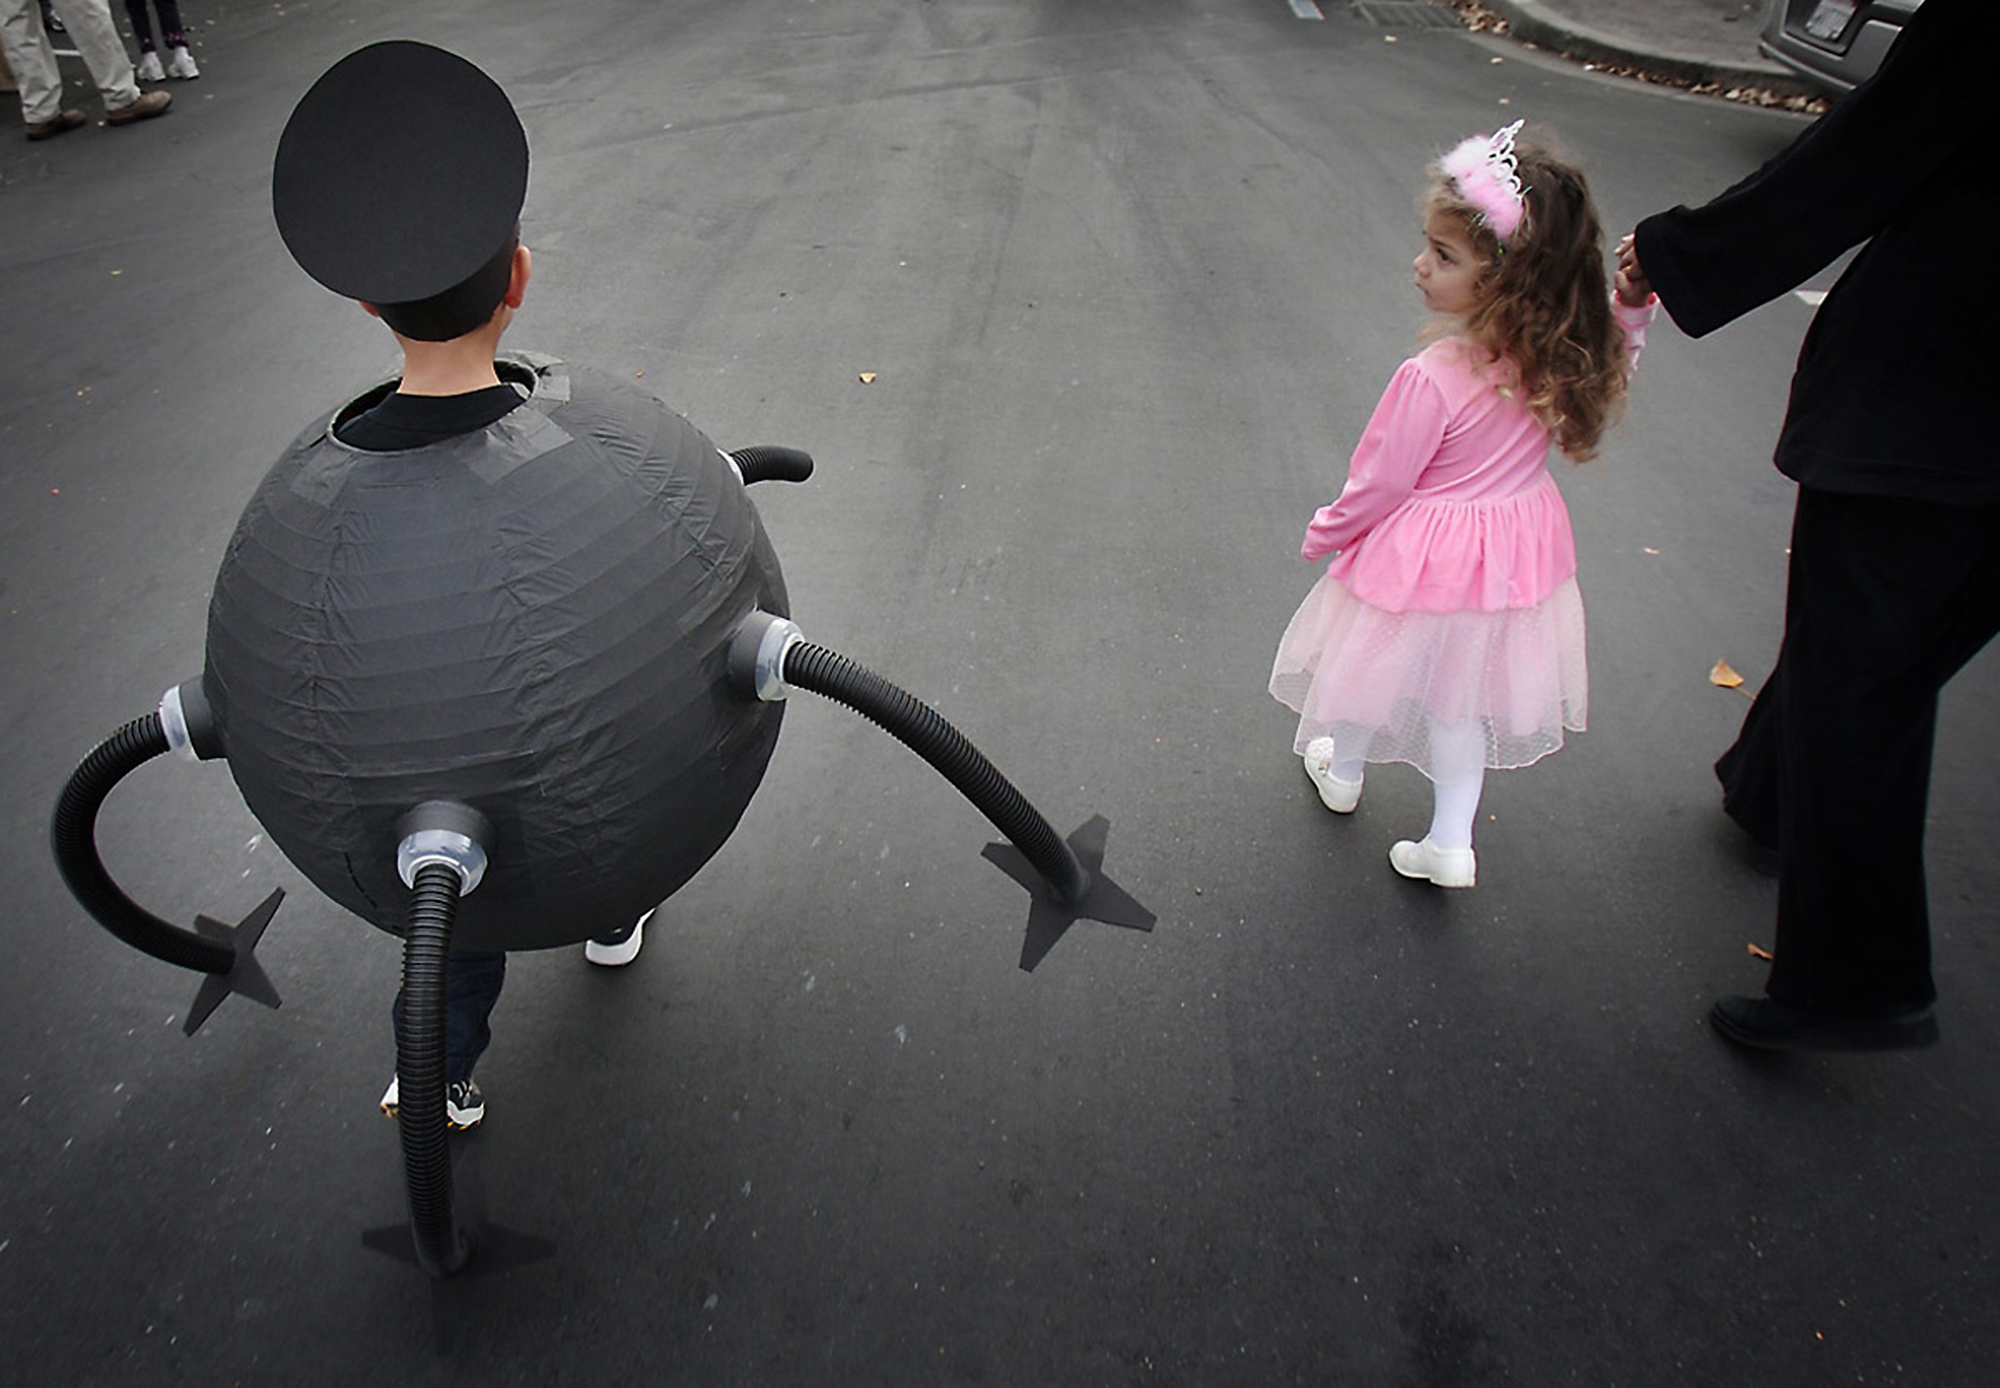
(1724, 676)
(868, 378)
(1757, 951)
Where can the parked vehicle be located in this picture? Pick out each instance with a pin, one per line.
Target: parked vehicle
(1836, 44)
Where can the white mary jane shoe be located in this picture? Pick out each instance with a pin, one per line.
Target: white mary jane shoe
(1441, 867)
(1337, 795)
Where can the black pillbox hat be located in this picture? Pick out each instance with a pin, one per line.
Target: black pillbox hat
(399, 181)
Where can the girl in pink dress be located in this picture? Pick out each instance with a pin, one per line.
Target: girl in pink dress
(1448, 630)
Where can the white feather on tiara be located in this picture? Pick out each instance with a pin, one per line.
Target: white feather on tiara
(1487, 175)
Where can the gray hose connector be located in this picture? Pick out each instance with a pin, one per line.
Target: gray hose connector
(443, 831)
(757, 656)
(189, 722)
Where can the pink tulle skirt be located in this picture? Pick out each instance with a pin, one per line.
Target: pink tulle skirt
(1379, 682)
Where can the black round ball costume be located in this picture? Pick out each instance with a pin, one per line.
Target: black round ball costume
(532, 620)
(555, 638)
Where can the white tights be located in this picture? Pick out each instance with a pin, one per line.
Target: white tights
(1458, 776)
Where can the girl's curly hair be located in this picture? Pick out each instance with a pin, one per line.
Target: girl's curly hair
(1544, 302)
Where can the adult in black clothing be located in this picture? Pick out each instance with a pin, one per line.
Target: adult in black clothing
(1895, 570)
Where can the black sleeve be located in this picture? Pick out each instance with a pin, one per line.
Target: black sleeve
(1840, 182)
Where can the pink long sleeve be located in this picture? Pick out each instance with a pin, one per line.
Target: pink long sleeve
(1401, 438)
(1634, 321)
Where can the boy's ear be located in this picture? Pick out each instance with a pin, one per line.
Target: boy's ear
(517, 280)
(372, 311)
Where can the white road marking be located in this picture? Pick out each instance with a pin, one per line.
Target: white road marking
(1306, 9)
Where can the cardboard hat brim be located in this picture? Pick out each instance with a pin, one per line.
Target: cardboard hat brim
(400, 174)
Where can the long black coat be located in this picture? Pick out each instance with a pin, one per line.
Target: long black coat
(1897, 374)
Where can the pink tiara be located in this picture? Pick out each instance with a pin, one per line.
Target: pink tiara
(1488, 177)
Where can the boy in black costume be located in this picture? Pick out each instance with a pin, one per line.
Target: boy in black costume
(399, 183)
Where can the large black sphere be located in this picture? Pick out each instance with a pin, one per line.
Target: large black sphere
(533, 620)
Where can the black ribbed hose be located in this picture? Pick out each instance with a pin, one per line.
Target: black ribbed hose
(770, 463)
(924, 731)
(73, 836)
(441, 1245)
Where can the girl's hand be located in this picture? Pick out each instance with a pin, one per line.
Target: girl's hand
(1634, 289)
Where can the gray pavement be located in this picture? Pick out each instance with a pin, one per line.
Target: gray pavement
(1128, 277)
(1701, 40)
(1693, 40)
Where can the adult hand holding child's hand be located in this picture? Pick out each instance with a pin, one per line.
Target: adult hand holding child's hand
(1633, 288)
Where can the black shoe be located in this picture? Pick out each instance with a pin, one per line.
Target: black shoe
(1779, 1026)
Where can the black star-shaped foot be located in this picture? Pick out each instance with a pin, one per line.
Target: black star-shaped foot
(1048, 916)
(488, 1250)
(246, 976)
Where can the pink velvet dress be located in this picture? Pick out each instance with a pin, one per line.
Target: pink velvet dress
(1452, 598)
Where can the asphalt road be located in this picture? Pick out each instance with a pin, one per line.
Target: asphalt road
(1129, 277)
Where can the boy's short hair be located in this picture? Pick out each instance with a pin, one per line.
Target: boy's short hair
(460, 309)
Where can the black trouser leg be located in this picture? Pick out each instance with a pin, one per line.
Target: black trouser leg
(142, 24)
(472, 983)
(1749, 770)
(1887, 599)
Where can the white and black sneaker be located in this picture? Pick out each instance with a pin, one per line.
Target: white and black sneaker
(464, 1105)
(616, 951)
